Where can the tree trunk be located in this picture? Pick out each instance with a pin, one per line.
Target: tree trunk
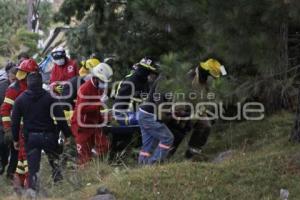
(30, 13)
(295, 134)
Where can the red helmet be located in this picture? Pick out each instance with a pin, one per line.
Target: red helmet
(28, 65)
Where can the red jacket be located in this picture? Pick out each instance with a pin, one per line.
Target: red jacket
(64, 73)
(88, 114)
(12, 92)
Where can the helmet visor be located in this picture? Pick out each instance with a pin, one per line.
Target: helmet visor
(58, 55)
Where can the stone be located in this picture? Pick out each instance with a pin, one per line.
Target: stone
(104, 197)
(226, 155)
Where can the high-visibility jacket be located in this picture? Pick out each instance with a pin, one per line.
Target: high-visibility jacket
(129, 94)
(64, 73)
(12, 92)
(88, 106)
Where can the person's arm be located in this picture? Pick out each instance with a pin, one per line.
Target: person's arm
(7, 106)
(16, 119)
(76, 68)
(53, 75)
(62, 123)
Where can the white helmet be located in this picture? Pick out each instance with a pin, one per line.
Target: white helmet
(58, 53)
(102, 71)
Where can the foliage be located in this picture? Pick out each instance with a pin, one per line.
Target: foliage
(14, 36)
(250, 37)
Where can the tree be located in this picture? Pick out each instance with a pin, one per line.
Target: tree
(250, 37)
(15, 37)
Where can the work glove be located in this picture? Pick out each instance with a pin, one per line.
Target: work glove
(8, 137)
(104, 98)
(58, 89)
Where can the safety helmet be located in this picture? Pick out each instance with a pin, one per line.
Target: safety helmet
(28, 65)
(58, 53)
(214, 67)
(91, 63)
(87, 66)
(149, 64)
(102, 71)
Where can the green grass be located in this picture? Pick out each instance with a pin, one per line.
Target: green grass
(262, 163)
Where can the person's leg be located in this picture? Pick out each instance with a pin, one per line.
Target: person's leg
(166, 138)
(200, 133)
(101, 142)
(179, 130)
(149, 144)
(53, 151)
(4, 153)
(13, 161)
(148, 141)
(84, 143)
(33, 151)
(22, 175)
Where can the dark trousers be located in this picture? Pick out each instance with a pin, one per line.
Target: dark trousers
(8, 155)
(35, 143)
(4, 153)
(200, 132)
(13, 161)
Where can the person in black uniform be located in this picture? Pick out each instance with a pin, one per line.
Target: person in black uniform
(130, 94)
(34, 106)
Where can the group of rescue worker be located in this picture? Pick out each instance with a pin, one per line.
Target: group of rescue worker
(34, 119)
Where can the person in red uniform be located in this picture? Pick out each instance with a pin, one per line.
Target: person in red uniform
(86, 118)
(18, 162)
(63, 70)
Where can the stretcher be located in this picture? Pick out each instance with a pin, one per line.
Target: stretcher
(117, 122)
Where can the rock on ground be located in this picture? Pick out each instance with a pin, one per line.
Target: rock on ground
(226, 155)
(104, 197)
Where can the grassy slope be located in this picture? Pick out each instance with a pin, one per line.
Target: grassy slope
(263, 162)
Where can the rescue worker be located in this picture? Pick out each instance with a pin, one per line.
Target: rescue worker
(69, 95)
(17, 162)
(77, 81)
(128, 96)
(203, 77)
(34, 107)
(87, 118)
(63, 70)
(5, 80)
(156, 136)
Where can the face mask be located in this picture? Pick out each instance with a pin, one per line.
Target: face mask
(87, 77)
(60, 62)
(21, 75)
(102, 85)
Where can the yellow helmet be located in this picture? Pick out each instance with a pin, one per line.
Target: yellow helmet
(214, 67)
(88, 65)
